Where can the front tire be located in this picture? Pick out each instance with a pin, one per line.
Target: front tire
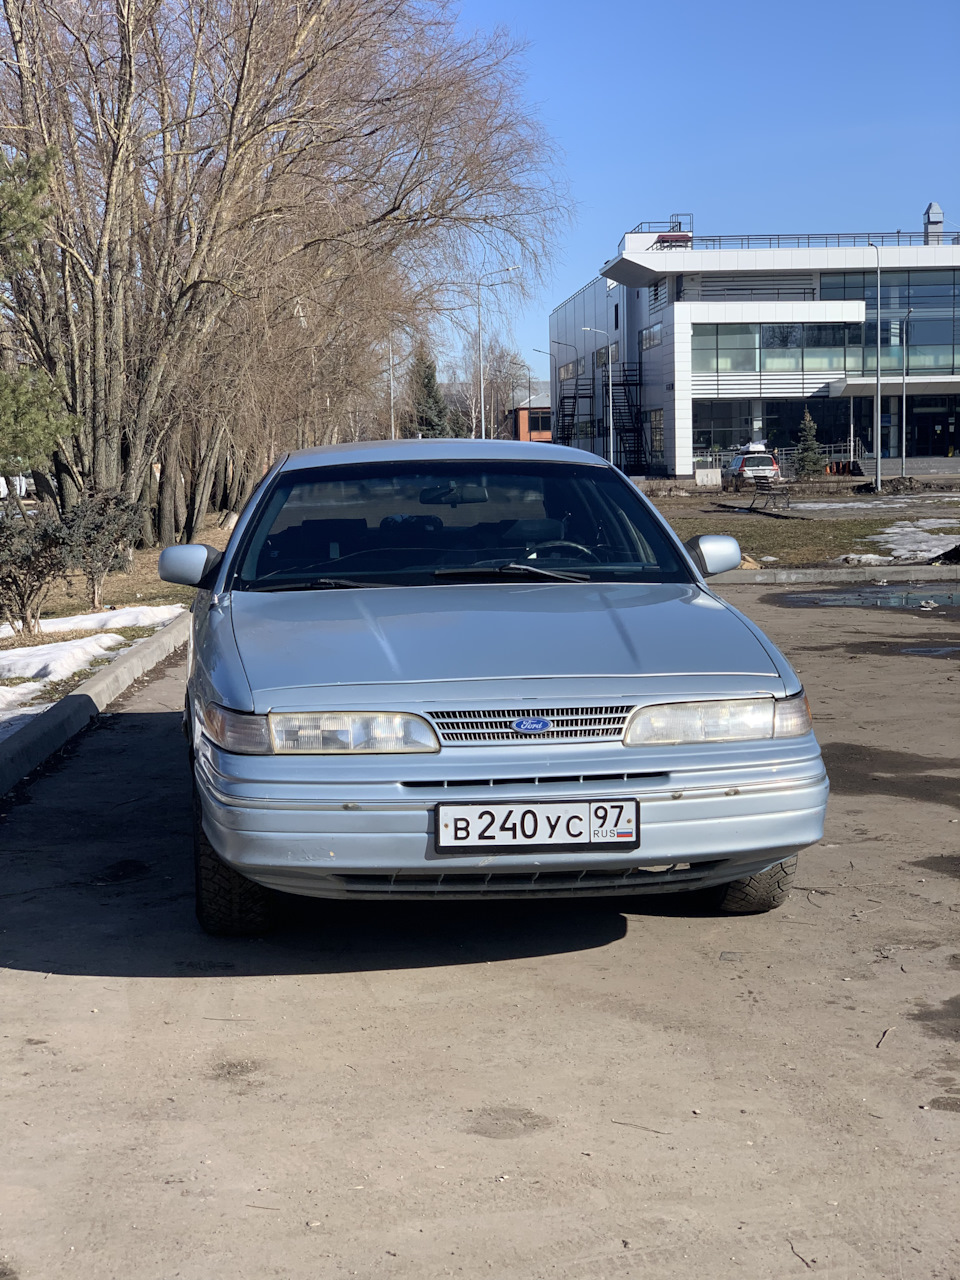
(228, 904)
(763, 892)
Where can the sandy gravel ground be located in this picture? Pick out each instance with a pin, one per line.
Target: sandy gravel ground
(635, 1088)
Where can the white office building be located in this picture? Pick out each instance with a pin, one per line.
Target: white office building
(714, 341)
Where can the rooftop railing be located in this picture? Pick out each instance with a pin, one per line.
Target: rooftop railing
(808, 240)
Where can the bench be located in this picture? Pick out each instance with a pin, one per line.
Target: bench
(775, 491)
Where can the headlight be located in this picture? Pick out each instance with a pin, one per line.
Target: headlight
(318, 732)
(358, 732)
(732, 720)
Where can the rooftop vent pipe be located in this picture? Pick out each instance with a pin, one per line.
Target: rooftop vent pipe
(933, 224)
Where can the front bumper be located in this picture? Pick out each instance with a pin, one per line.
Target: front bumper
(287, 826)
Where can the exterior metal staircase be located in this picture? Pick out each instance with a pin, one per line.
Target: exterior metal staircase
(576, 405)
(631, 448)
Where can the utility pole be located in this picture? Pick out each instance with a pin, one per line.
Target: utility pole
(498, 271)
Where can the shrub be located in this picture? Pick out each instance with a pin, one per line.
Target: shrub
(99, 528)
(35, 553)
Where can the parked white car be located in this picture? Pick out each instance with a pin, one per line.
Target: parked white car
(744, 468)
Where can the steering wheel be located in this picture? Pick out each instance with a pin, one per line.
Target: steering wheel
(563, 542)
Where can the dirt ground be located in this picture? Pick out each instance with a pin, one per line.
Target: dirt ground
(629, 1088)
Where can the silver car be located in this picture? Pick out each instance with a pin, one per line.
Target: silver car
(461, 669)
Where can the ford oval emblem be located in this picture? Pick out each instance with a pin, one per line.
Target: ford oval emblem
(532, 724)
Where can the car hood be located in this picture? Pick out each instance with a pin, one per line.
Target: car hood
(488, 632)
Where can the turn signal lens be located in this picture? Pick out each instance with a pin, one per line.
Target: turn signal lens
(793, 718)
(354, 732)
(237, 730)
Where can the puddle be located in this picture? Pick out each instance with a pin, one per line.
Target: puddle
(868, 597)
(941, 651)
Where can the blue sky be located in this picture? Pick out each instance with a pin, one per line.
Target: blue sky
(753, 117)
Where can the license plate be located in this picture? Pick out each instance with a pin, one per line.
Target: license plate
(592, 823)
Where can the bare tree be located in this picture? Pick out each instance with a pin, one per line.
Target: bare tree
(212, 167)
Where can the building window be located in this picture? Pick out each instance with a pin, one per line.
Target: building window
(658, 294)
(652, 336)
(652, 420)
(572, 369)
(729, 348)
(737, 348)
(616, 315)
(928, 341)
(600, 356)
(781, 347)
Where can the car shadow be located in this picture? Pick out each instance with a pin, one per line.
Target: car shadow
(98, 880)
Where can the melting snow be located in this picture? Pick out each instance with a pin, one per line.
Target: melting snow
(875, 504)
(909, 540)
(56, 661)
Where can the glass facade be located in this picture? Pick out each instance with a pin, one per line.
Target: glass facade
(932, 424)
(720, 425)
(930, 336)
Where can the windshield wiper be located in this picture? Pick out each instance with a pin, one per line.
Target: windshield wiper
(510, 566)
(311, 584)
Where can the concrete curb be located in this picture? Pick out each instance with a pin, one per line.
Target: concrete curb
(30, 745)
(876, 573)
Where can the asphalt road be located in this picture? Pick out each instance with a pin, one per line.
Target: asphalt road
(630, 1088)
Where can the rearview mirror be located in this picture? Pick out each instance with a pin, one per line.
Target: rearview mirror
(452, 494)
(191, 565)
(714, 553)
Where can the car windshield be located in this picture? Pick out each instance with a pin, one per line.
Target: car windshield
(759, 460)
(418, 523)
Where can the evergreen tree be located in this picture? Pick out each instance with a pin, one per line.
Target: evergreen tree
(429, 417)
(809, 458)
(31, 415)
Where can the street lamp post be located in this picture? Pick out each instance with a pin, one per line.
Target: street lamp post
(498, 271)
(878, 482)
(587, 329)
(393, 423)
(903, 397)
(576, 374)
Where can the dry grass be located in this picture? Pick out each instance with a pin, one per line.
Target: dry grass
(54, 637)
(795, 542)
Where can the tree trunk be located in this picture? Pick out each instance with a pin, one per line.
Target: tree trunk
(168, 524)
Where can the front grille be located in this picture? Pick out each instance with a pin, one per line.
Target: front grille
(567, 724)
(575, 882)
(565, 779)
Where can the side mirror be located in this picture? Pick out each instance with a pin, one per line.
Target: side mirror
(190, 565)
(714, 553)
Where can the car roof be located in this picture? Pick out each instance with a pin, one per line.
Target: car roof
(437, 450)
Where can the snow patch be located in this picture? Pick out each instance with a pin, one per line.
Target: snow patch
(133, 616)
(876, 504)
(914, 539)
(55, 661)
(14, 694)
